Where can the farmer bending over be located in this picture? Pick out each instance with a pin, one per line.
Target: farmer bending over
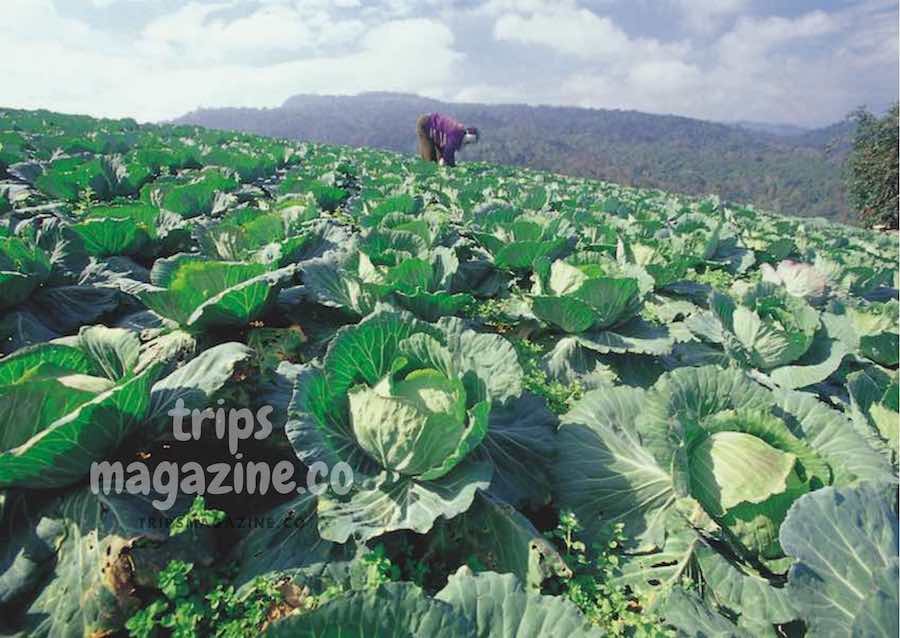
(441, 136)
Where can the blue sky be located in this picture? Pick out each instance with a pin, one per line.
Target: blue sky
(797, 61)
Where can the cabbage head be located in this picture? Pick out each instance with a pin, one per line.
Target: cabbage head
(701, 471)
(584, 293)
(131, 229)
(666, 262)
(276, 237)
(798, 278)
(356, 281)
(854, 274)
(405, 404)
(769, 326)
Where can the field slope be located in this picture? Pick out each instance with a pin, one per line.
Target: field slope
(545, 405)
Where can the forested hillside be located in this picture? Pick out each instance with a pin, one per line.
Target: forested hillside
(797, 174)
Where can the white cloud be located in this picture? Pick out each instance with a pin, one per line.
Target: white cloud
(197, 33)
(753, 39)
(665, 77)
(659, 86)
(706, 15)
(810, 68)
(712, 7)
(576, 32)
(497, 7)
(103, 4)
(580, 33)
(49, 61)
(769, 68)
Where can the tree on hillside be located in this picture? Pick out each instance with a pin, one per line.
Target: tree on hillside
(872, 167)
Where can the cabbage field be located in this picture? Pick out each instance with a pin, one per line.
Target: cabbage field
(561, 407)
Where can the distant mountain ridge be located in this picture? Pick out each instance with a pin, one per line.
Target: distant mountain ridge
(779, 130)
(795, 172)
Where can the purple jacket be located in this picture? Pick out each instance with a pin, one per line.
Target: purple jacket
(447, 134)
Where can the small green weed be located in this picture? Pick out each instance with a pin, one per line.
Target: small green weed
(592, 587)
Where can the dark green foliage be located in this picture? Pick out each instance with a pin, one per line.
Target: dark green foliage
(872, 176)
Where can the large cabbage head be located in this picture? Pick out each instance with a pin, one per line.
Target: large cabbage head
(353, 280)
(710, 444)
(412, 406)
(770, 245)
(771, 327)
(412, 422)
(390, 247)
(585, 292)
(798, 278)
(665, 261)
(420, 285)
(706, 234)
(275, 237)
(746, 468)
(854, 273)
(405, 404)
(192, 193)
(70, 177)
(746, 454)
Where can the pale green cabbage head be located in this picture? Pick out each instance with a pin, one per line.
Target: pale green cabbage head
(410, 425)
(771, 327)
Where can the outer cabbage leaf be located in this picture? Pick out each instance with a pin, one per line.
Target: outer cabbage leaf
(23, 267)
(64, 309)
(499, 607)
(292, 542)
(195, 382)
(692, 617)
(97, 551)
(874, 408)
(200, 294)
(502, 540)
(844, 539)
(66, 413)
